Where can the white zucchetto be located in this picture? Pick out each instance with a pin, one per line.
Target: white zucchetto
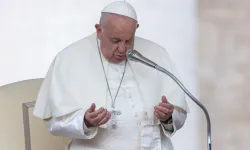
(121, 8)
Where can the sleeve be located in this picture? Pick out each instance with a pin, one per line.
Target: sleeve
(170, 87)
(178, 120)
(71, 126)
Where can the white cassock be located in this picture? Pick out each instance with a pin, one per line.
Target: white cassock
(76, 79)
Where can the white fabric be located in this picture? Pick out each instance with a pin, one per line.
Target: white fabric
(76, 75)
(121, 8)
(127, 136)
(75, 80)
(71, 126)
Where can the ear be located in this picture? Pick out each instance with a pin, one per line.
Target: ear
(98, 30)
(97, 27)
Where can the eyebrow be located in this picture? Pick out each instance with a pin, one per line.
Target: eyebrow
(118, 39)
(114, 38)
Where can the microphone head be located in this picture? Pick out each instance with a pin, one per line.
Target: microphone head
(132, 54)
(138, 57)
(129, 53)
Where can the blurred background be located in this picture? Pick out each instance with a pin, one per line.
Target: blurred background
(208, 40)
(224, 70)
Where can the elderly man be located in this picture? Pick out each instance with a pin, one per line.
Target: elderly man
(102, 101)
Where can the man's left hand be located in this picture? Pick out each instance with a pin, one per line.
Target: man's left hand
(164, 110)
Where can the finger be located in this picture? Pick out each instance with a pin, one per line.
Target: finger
(167, 105)
(164, 99)
(162, 116)
(163, 109)
(97, 119)
(156, 114)
(95, 113)
(100, 117)
(105, 119)
(92, 108)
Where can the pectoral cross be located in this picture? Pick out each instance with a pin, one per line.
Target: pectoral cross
(114, 113)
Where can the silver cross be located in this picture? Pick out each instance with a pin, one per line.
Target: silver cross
(113, 120)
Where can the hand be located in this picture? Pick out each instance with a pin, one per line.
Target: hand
(96, 117)
(164, 110)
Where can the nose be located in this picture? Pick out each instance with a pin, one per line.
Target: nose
(122, 48)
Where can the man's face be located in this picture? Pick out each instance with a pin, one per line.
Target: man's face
(116, 37)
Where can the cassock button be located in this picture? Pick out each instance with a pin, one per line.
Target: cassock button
(118, 112)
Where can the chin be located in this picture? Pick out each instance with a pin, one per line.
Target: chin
(117, 61)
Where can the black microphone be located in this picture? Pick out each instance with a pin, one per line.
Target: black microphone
(137, 57)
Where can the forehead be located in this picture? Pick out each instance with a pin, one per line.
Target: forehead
(120, 26)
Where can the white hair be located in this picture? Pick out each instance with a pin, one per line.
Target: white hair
(103, 18)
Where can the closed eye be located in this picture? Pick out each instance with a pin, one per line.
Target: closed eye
(115, 40)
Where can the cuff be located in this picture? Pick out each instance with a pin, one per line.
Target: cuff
(71, 126)
(88, 132)
(178, 119)
(91, 132)
(168, 129)
(168, 126)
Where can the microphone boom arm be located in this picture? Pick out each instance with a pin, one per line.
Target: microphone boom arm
(194, 99)
(136, 56)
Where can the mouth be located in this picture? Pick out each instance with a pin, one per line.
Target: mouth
(120, 57)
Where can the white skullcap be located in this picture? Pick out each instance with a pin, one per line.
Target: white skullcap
(121, 8)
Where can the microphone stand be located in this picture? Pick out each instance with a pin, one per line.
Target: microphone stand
(136, 56)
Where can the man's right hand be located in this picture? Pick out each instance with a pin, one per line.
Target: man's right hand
(93, 118)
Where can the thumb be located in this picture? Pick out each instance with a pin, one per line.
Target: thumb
(92, 108)
(164, 99)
